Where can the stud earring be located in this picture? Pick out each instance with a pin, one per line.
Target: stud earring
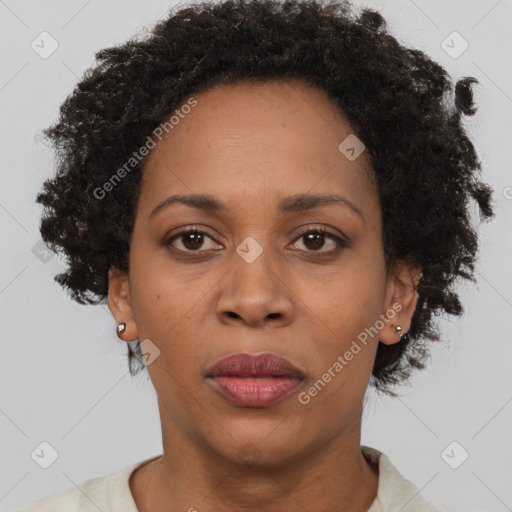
(398, 331)
(121, 327)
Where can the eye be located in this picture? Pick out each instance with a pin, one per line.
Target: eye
(192, 239)
(314, 239)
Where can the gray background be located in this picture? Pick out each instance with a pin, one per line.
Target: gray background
(64, 374)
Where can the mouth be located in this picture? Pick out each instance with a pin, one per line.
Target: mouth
(259, 380)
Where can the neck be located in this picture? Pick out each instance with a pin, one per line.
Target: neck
(188, 476)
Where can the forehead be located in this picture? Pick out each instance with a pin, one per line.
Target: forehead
(258, 141)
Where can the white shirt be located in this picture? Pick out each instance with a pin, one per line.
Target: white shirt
(112, 493)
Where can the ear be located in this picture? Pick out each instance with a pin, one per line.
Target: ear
(119, 303)
(401, 299)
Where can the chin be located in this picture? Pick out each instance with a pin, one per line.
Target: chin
(257, 445)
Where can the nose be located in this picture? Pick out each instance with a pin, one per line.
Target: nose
(255, 295)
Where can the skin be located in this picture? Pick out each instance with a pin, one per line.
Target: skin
(250, 145)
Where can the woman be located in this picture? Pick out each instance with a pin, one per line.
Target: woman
(273, 198)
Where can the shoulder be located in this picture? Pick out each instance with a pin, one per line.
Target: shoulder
(88, 496)
(105, 493)
(395, 493)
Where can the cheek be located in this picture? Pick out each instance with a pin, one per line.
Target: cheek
(163, 316)
(346, 306)
(165, 309)
(348, 300)
(160, 299)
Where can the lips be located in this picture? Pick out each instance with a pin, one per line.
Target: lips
(261, 365)
(254, 380)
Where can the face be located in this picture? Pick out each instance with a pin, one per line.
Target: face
(257, 275)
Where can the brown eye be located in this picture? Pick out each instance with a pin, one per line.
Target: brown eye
(314, 240)
(191, 239)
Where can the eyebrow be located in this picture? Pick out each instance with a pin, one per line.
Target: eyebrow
(295, 203)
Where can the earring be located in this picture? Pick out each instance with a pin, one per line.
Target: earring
(398, 331)
(121, 327)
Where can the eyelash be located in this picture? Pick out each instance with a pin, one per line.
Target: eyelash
(340, 243)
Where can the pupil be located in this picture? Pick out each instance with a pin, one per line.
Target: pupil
(196, 240)
(318, 236)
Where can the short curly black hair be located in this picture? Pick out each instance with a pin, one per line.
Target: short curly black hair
(399, 102)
